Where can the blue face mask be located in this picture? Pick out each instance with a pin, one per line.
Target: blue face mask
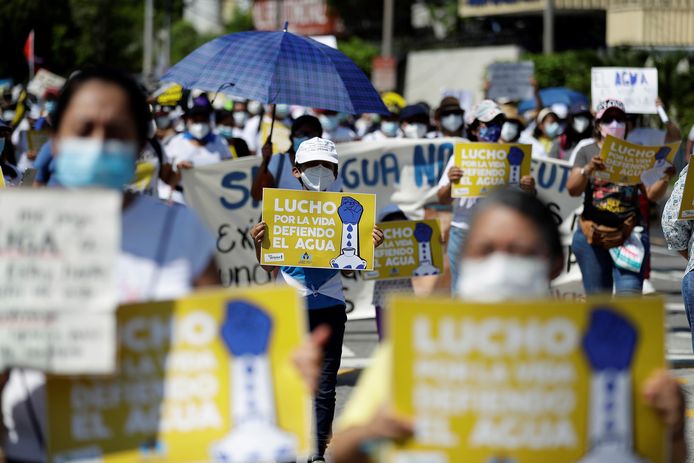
(298, 141)
(87, 162)
(329, 123)
(389, 128)
(50, 106)
(490, 133)
(2, 145)
(225, 131)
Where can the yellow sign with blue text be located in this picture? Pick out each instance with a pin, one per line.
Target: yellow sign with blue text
(318, 229)
(409, 249)
(687, 203)
(548, 381)
(630, 164)
(487, 166)
(209, 377)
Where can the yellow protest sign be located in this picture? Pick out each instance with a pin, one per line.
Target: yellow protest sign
(527, 382)
(37, 138)
(2, 178)
(410, 248)
(489, 165)
(280, 135)
(318, 229)
(206, 378)
(687, 204)
(626, 162)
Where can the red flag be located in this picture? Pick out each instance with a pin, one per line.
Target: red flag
(29, 52)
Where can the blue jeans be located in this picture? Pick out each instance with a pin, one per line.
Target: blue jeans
(324, 401)
(688, 296)
(599, 271)
(456, 241)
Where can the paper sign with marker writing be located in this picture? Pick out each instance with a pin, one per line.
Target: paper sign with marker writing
(687, 204)
(318, 229)
(626, 163)
(548, 381)
(487, 166)
(511, 80)
(209, 377)
(409, 249)
(637, 88)
(58, 251)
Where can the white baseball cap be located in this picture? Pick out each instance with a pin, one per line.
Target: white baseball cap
(316, 149)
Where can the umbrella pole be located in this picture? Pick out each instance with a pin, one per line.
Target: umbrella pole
(272, 124)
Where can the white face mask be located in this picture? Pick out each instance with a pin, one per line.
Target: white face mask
(452, 122)
(416, 130)
(199, 130)
(240, 118)
(254, 107)
(317, 178)
(509, 132)
(502, 276)
(580, 124)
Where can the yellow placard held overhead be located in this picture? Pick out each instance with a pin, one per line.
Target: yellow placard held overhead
(410, 248)
(687, 204)
(487, 166)
(281, 141)
(206, 378)
(626, 163)
(531, 382)
(318, 229)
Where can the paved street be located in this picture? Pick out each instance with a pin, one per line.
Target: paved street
(667, 268)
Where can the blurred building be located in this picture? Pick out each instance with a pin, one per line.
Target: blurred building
(648, 23)
(209, 16)
(305, 17)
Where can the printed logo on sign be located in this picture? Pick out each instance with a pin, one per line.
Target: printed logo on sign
(277, 257)
(687, 214)
(305, 258)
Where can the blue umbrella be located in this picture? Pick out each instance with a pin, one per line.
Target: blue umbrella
(278, 67)
(554, 95)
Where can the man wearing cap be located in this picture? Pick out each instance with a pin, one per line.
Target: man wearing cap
(449, 118)
(484, 124)
(198, 145)
(611, 212)
(315, 168)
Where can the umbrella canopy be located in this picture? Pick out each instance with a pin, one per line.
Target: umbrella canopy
(553, 95)
(278, 67)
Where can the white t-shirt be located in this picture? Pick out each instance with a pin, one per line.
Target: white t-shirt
(285, 180)
(462, 207)
(163, 250)
(182, 148)
(377, 135)
(250, 133)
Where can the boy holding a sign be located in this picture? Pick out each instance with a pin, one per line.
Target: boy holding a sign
(315, 168)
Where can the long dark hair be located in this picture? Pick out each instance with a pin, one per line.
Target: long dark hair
(137, 102)
(532, 208)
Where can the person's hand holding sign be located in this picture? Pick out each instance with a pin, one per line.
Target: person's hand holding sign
(185, 165)
(527, 184)
(455, 174)
(377, 236)
(258, 235)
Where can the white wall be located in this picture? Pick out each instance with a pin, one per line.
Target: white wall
(204, 15)
(431, 72)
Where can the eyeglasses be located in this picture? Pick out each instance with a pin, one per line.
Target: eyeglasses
(610, 119)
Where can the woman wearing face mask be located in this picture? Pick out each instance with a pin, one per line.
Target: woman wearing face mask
(315, 169)
(101, 124)
(414, 121)
(513, 252)
(388, 127)
(276, 170)
(449, 117)
(334, 128)
(548, 128)
(485, 126)
(579, 127)
(610, 211)
(226, 128)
